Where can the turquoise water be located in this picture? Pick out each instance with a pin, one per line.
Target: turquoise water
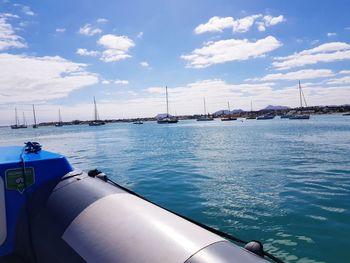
(284, 182)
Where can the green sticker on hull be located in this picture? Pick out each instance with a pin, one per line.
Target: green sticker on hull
(15, 180)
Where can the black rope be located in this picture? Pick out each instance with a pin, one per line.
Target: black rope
(29, 148)
(100, 175)
(32, 147)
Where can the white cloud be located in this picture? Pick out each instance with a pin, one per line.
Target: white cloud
(230, 50)
(268, 21)
(328, 52)
(117, 81)
(244, 24)
(144, 64)
(301, 74)
(116, 42)
(188, 99)
(60, 30)
(121, 82)
(89, 30)
(25, 9)
(27, 79)
(8, 37)
(102, 20)
(344, 72)
(339, 81)
(314, 42)
(331, 34)
(111, 55)
(117, 47)
(215, 24)
(218, 24)
(85, 52)
(9, 15)
(140, 35)
(261, 26)
(271, 20)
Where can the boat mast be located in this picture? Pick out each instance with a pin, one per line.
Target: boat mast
(34, 115)
(59, 116)
(228, 104)
(95, 109)
(24, 119)
(205, 108)
(301, 102)
(167, 102)
(302, 93)
(251, 106)
(16, 117)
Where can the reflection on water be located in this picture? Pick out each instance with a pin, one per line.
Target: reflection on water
(286, 183)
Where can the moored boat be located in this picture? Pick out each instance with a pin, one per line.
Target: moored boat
(265, 117)
(17, 125)
(300, 115)
(205, 117)
(229, 117)
(286, 116)
(251, 115)
(137, 122)
(96, 121)
(59, 123)
(168, 119)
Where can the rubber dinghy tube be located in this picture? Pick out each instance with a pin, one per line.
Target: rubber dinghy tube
(253, 246)
(71, 216)
(86, 219)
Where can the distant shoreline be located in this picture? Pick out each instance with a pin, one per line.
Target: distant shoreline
(313, 110)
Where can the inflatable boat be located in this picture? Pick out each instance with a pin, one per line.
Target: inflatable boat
(50, 212)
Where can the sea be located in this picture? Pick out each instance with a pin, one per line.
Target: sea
(283, 182)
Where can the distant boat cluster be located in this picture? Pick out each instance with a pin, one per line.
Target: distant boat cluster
(230, 117)
(17, 125)
(300, 113)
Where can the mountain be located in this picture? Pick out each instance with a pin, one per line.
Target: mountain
(162, 115)
(225, 112)
(271, 107)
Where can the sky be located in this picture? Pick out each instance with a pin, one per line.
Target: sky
(60, 54)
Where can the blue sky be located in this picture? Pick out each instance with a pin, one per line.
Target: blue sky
(59, 54)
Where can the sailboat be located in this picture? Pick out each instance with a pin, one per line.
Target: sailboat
(205, 117)
(97, 121)
(59, 123)
(251, 116)
(16, 125)
(24, 125)
(168, 118)
(229, 116)
(300, 116)
(137, 122)
(34, 125)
